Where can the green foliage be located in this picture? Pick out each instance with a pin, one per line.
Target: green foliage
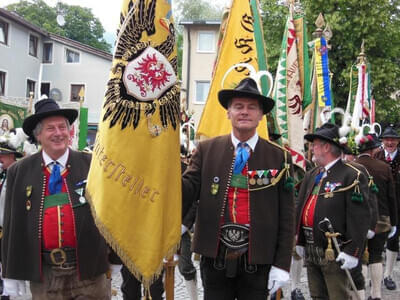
(351, 21)
(80, 23)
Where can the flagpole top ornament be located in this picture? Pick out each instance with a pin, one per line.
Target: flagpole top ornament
(362, 58)
(320, 22)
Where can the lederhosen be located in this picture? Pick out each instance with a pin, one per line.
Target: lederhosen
(234, 237)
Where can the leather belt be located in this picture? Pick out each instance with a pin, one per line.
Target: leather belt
(235, 236)
(60, 257)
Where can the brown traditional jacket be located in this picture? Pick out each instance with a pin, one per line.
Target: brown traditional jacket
(382, 175)
(22, 244)
(271, 207)
(395, 167)
(349, 217)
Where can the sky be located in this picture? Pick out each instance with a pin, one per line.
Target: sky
(106, 10)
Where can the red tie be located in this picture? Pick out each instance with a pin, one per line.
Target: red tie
(388, 158)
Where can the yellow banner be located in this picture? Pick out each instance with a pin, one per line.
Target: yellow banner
(134, 182)
(238, 46)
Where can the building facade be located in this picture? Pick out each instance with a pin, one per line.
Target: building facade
(200, 40)
(33, 60)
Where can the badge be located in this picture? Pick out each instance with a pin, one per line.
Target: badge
(252, 180)
(328, 195)
(265, 180)
(260, 173)
(214, 188)
(259, 181)
(216, 179)
(28, 205)
(28, 191)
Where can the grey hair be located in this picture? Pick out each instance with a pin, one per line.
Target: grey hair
(39, 126)
(335, 150)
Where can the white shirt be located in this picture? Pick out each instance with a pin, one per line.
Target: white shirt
(252, 142)
(330, 165)
(392, 155)
(62, 160)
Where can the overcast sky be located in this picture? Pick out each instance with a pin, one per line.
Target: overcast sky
(106, 10)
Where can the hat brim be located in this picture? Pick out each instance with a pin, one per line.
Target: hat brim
(16, 153)
(224, 96)
(30, 122)
(312, 136)
(390, 137)
(370, 147)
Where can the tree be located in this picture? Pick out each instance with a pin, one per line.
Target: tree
(80, 23)
(377, 22)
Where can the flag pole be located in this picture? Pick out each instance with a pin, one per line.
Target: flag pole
(169, 266)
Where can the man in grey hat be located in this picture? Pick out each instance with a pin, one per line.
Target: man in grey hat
(390, 154)
(336, 191)
(50, 237)
(245, 216)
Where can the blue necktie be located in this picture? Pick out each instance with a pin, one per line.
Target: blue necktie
(55, 181)
(242, 156)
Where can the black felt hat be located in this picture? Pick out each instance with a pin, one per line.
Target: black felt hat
(328, 132)
(247, 88)
(389, 132)
(47, 108)
(369, 142)
(5, 148)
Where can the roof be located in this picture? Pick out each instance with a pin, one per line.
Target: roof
(58, 38)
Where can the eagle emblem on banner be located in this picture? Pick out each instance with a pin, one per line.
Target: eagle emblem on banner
(143, 76)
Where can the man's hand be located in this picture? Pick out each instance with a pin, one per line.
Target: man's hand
(183, 229)
(277, 279)
(370, 234)
(300, 251)
(13, 287)
(392, 232)
(115, 270)
(349, 261)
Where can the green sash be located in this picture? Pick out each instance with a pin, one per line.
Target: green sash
(56, 200)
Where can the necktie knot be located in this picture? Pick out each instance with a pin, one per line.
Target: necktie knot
(388, 158)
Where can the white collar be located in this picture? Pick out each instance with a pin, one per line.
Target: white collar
(392, 155)
(62, 160)
(251, 141)
(330, 165)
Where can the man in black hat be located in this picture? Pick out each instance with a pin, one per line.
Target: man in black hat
(390, 154)
(245, 216)
(8, 156)
(387, 208)
(50, 237)
(335, 191)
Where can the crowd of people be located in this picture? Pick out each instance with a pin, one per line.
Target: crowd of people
(243, 212)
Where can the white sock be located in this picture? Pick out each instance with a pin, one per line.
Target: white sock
(391, 258)
(376, 271)
(295, 272)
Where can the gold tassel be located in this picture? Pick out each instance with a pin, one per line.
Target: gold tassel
(147, 295)
(329, 253)
(365, 257)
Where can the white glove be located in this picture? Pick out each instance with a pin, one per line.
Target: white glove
(183, 229)
(115, 270)
(277, 279)
(300, 251)
(349, 261)
(392, 232)
(12, 287)
(370, 234)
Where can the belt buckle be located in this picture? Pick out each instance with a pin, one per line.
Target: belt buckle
(58, 256)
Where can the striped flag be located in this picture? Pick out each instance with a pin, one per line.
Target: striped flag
(288, 95)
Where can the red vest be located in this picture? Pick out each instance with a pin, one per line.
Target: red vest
(58, 220)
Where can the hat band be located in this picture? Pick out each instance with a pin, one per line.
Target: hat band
(5, 149)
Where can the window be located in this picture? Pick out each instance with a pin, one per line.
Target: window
(75, 90)
(71, 56)
(3, 32)
(33, 45)
(2, 83)
(202, 88)
(206, 41)
(47, 52)
(45, 89)
(30, 87)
